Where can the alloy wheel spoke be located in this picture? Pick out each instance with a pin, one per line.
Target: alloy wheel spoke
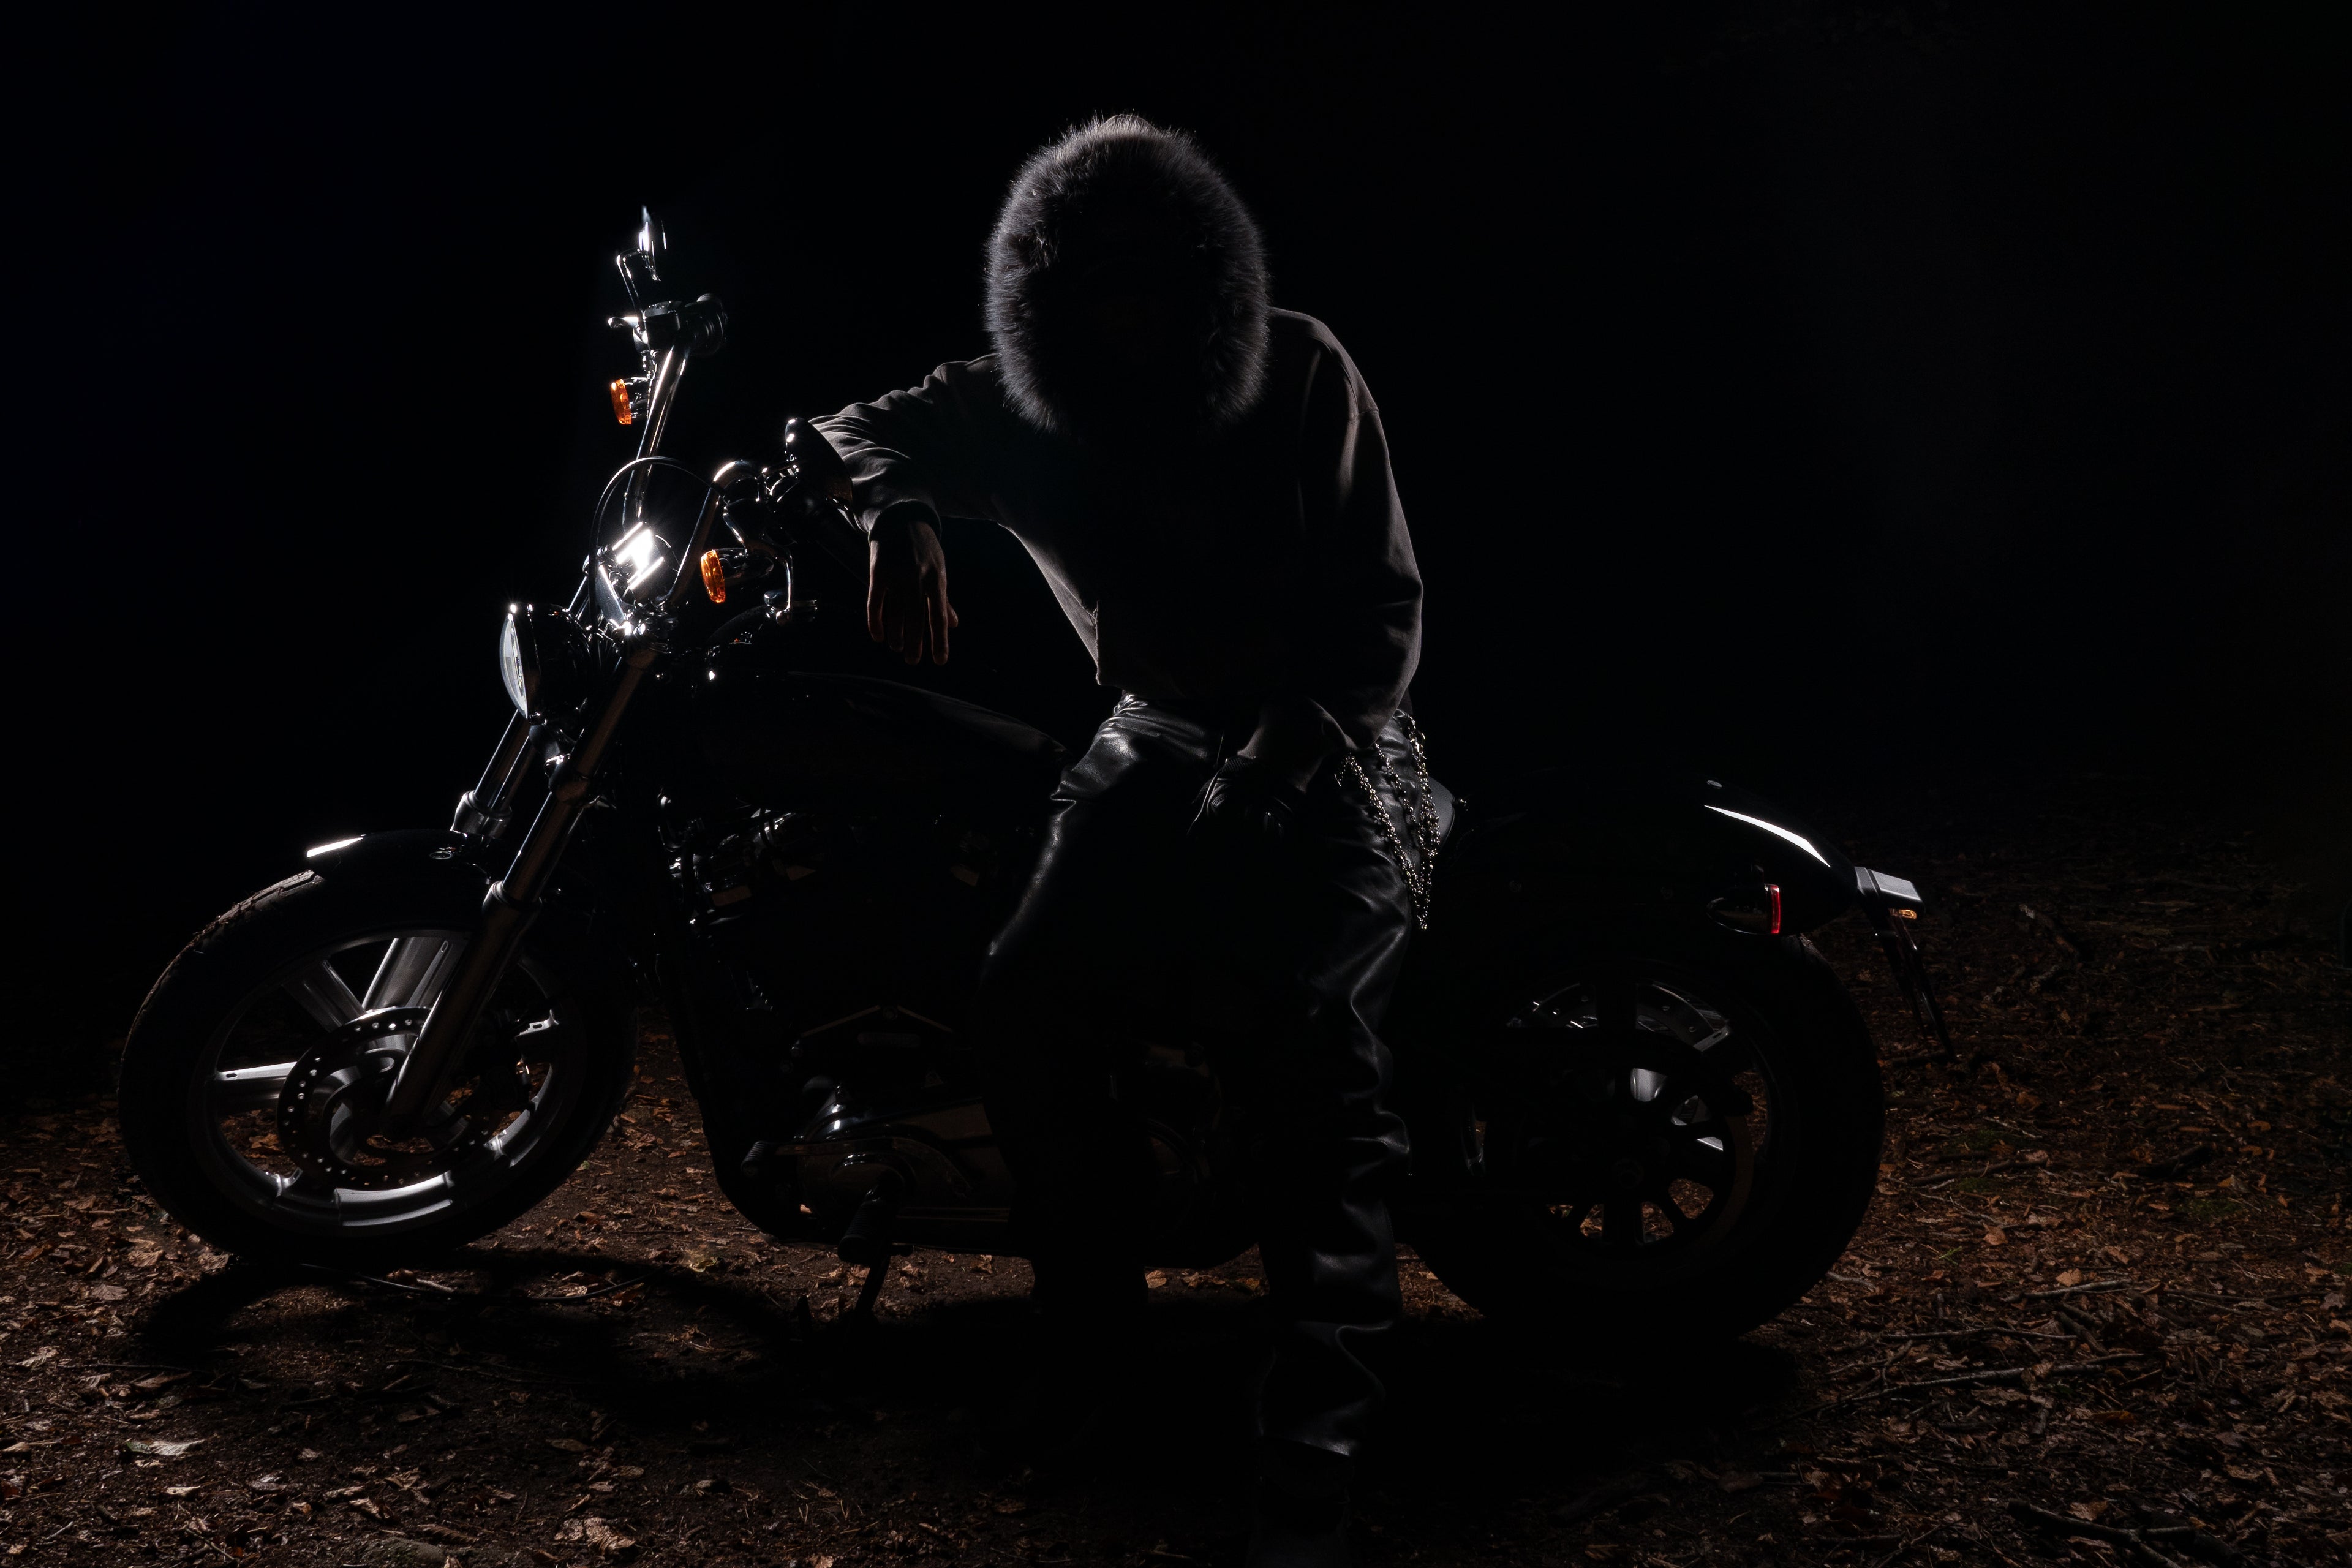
(1621, 1220)
(1693, 1161)
(324, 995)
(410, 971)
(240, 1089)
(1663, 1201)
(1731, 1052)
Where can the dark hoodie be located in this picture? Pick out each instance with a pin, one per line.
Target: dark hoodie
(1212, 504)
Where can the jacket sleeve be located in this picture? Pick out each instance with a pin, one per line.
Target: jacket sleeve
(920, 453)
(1359, 633)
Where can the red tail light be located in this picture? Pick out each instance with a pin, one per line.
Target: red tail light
(1772, 890)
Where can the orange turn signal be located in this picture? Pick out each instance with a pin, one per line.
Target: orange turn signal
(714, 576)
(622, 410)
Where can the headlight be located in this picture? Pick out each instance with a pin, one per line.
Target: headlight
(518, 668)
(543, 660)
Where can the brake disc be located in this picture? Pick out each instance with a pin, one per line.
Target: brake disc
(333, 1101)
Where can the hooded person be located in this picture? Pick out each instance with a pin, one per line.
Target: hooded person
(1204, 482)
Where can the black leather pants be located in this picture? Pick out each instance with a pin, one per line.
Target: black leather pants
(1282, 967)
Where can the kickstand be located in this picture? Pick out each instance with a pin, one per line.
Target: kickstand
(867, 1242)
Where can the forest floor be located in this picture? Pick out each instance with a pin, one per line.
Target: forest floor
(2096, 1315)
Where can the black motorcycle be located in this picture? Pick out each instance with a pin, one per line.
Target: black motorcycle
(1640, 1102)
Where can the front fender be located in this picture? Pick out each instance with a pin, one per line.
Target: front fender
(402, 855)
(583, 905)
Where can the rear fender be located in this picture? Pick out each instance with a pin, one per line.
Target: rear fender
(1563, 856)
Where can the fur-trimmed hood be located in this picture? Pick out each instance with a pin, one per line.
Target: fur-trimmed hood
(1121, 207)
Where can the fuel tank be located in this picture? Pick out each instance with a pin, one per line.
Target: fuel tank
(782, 737)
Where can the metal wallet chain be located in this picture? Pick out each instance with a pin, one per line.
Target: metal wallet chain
(1420, 813)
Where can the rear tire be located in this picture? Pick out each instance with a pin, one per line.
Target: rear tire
(262, 988)
(1598, 1214)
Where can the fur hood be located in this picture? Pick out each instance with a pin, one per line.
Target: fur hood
(1120, 208)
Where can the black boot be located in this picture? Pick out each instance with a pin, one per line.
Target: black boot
(1302, 1508)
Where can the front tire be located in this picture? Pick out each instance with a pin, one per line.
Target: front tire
(245, 1064)
(1665, 1144)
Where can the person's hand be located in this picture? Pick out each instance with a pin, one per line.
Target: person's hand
(1248, 807)
(907, 607)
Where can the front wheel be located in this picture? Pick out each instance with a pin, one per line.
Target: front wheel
(251, 1073)
(1660, 1146)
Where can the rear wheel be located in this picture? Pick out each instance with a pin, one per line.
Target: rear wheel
(251, 1077)
(1665, 1145)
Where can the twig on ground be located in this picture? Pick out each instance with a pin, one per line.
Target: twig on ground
(1909, 1544)
(1988, 1375)
(419, 1287)
(505, 1377)
(589, 1295)
(2082, 1290)
(2025, 1513)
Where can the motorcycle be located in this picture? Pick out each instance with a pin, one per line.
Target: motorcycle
(1640, 1102)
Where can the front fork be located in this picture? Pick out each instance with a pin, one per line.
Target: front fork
(513, 902)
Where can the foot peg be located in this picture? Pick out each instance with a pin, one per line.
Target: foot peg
(867, 1243)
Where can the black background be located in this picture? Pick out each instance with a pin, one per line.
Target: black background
(1834, 396)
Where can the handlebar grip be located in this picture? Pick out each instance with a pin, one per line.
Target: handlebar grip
(819, 463)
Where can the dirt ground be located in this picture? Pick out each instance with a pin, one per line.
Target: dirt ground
(2096, 1315)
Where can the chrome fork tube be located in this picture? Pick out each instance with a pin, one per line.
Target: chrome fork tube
(658, 399)
(482, 810)
(666, 375)
(508, 911)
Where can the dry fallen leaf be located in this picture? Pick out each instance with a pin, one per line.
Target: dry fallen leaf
(2071, 1277)
(1996, 1236)
(1155, 1280)
(596, 1532)
(160, 1448)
